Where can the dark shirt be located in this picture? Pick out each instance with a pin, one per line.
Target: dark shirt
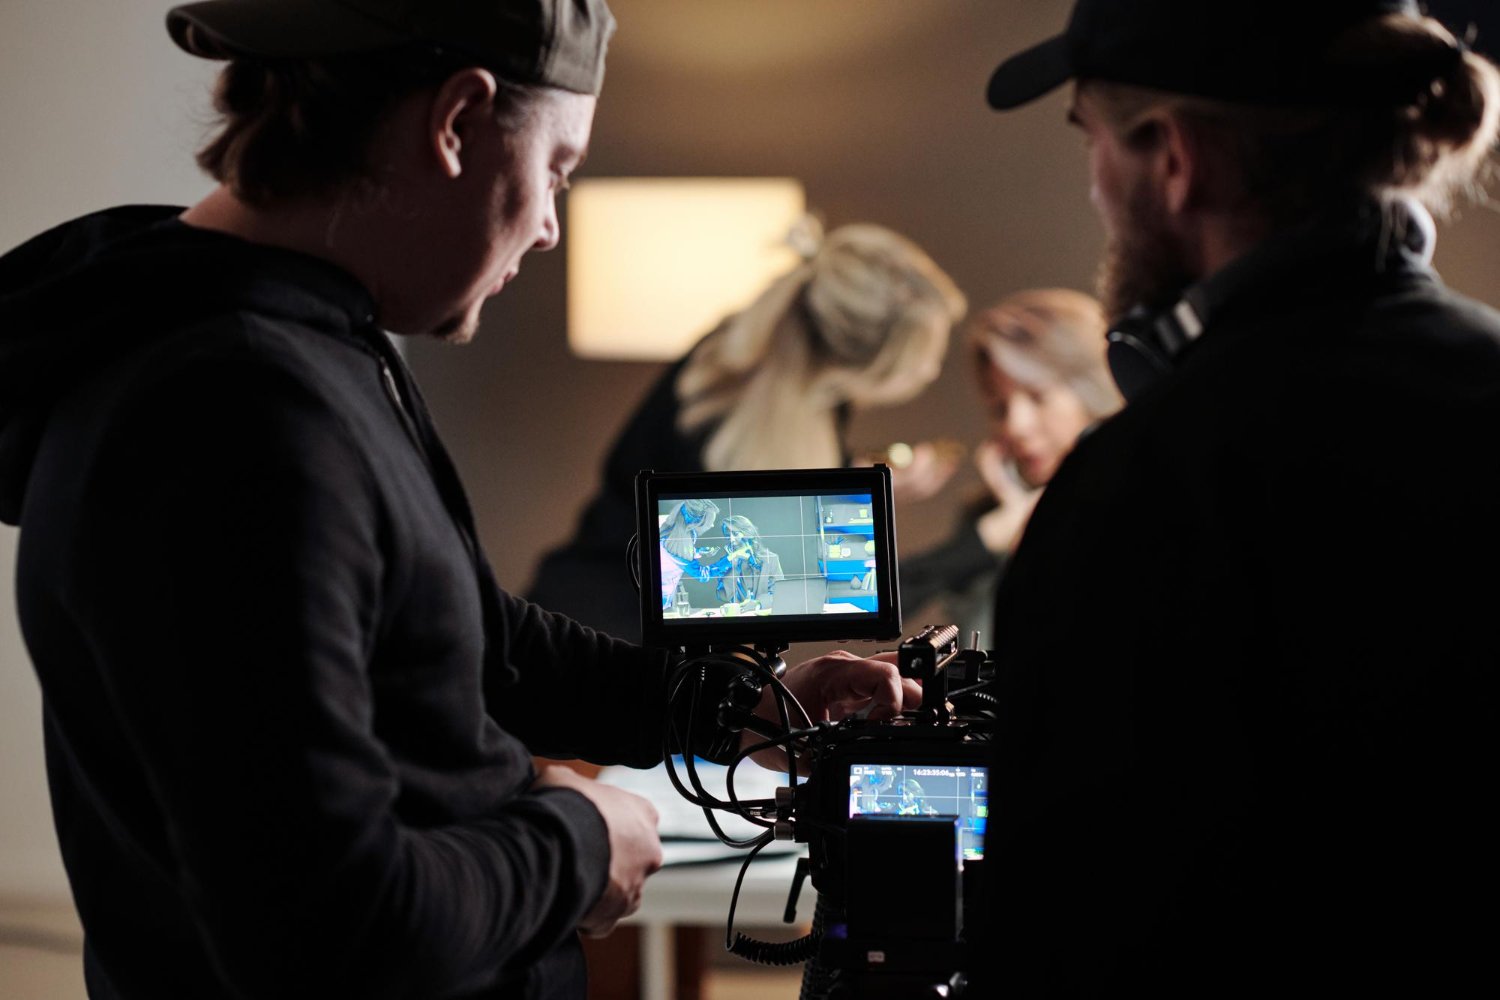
(289, 715)
(1250, 657)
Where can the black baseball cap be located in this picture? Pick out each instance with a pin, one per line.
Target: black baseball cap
(1249, 51)
(555, 43)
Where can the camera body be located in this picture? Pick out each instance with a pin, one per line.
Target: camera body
(893, 812)
(894, 816)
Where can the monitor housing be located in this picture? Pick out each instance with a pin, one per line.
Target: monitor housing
(767, 558)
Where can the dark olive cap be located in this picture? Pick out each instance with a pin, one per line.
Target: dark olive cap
(553, 43)
(1246, 51)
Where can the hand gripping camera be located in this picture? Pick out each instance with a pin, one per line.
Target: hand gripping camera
(893, 812)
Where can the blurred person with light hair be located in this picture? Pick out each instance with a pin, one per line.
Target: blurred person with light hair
(752, 569)
(1039, 358)
(863, 321)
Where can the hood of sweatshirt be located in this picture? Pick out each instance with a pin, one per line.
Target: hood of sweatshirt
(85, 294)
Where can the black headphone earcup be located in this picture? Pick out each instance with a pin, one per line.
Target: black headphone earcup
(1144, 345)
(1134, 361)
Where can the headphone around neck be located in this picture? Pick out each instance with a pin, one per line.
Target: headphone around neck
(1144, 345)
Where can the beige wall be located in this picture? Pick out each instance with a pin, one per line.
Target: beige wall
(95, 109)
(875, 104)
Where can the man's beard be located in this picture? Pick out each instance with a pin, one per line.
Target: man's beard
(459, 329)
(1144, 265)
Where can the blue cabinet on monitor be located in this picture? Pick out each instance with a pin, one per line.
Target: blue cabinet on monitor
(846, 550)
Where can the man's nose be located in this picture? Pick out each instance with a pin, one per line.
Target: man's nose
(551, 232)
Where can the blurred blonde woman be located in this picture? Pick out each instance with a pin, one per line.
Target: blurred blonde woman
(864, 320)
(1039, 356)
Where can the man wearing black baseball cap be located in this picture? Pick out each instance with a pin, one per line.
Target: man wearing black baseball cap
(1248, 645)
(290, 716)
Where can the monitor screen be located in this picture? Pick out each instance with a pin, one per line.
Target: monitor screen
(925, 790)
(733, 557)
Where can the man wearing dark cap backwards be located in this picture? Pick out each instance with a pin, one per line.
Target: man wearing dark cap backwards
(289, 715)
(1249, 635)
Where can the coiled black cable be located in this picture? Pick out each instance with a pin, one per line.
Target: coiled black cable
(764, 952)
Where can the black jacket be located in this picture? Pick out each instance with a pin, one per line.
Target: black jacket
(289, 716)
(1251, 656)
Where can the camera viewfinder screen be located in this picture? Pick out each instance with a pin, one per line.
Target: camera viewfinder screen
(767, 555)
(925, 790)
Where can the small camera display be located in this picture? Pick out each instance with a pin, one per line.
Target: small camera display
(902, 790)
(789, 556)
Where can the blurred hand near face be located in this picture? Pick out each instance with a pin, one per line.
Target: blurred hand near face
(1000, 529)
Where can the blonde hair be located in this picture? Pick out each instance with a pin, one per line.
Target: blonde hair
(1049, 334)
(867, 308)
(1416, 117)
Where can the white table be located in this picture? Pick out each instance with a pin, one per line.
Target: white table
(700, 894)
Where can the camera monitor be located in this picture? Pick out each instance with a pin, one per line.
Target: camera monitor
(900, 790)
(745, 558)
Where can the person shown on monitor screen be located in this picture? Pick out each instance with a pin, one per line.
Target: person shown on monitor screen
(681, 554)
(1039, 360)
(913, 799)
(865, 792)
(751, 571)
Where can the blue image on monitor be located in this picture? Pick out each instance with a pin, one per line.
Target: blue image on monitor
(767, 555)
(925, 790)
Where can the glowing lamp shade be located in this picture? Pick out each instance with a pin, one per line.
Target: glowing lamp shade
(655, 263)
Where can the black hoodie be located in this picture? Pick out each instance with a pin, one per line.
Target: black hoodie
(289, 716)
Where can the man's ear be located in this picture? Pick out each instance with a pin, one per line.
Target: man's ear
(1179, 166)
(461, 102)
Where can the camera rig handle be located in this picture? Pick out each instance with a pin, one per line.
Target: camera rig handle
(925, 658)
